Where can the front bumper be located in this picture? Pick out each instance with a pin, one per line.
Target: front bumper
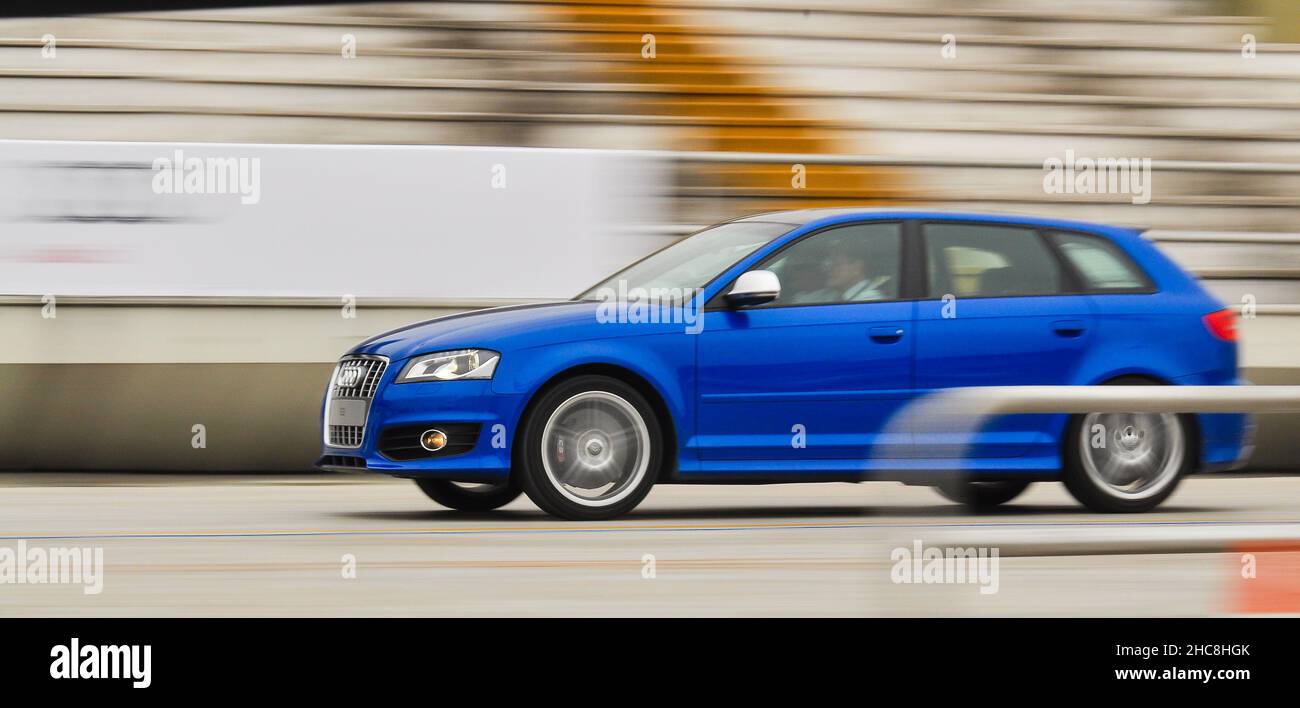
(435, 404)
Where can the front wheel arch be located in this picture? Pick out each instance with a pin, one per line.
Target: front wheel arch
(642, 385)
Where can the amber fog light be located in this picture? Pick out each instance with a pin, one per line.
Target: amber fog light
(433, 440)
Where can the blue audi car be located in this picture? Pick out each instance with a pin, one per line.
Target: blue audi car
(783, 347)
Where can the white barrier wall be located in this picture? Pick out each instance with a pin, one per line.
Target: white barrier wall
(214, 287)
(422, 222)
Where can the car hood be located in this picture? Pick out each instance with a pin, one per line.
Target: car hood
(498, 328)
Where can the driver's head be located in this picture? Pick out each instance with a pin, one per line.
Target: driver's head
(846, 272)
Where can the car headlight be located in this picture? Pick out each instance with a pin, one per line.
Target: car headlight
(455, 365)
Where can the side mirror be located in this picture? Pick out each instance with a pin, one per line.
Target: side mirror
(754, 287)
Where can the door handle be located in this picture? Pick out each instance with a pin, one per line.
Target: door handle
(886, 335)
(1069, 328)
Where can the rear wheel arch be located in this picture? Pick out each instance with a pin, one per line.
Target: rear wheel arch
(1191, 420)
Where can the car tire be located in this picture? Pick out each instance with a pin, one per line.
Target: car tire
(1125, 463)
(978, 494)
(469, 497)
(591, 449)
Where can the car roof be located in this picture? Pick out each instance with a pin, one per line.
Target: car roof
(829, 215)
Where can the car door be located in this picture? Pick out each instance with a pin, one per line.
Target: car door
(1001, 310)
(807, 382)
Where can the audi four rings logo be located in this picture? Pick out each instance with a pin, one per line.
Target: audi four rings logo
(349, 376)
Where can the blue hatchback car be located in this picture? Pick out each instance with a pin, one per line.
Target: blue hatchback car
(780, 347)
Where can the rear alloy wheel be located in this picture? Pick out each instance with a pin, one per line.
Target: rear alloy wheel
(468, 496)
(978, 494)
(1126, 462)
(592, 448)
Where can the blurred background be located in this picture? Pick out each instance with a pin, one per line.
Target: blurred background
(724, 103)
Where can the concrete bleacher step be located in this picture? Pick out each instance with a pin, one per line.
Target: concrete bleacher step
(204, 33)
(261, 67)
(720, 107)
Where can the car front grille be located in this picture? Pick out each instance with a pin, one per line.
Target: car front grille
(341, 462)
(361, 384)
(346, 435)
(356, 378)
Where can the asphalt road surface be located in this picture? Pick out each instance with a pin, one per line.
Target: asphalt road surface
(370, 546)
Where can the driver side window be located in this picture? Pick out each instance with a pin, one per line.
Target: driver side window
(846, 264)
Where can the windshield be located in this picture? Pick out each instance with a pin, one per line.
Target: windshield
(695, 260)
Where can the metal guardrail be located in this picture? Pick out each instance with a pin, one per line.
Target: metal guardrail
(1000, 400)
(958, 414)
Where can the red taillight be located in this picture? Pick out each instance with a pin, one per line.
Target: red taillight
(1222, 324)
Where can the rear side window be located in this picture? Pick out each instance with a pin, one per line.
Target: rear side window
(982, 260)
(1100, 263)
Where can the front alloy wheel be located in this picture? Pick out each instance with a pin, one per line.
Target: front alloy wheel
(592, 449)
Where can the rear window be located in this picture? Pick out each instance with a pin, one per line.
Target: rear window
(1100, 263)
(981, 260)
